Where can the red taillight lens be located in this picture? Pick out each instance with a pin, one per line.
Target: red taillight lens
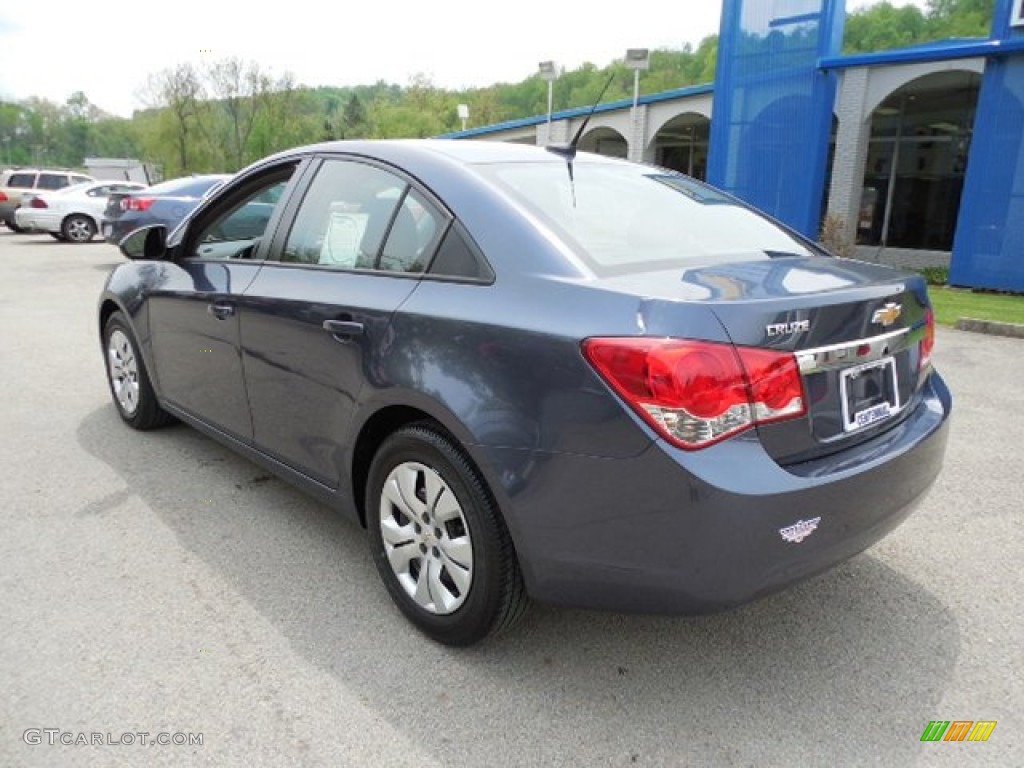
(137, 203)
(37, 202)
(3, 197)
(696, 393)
(705, 381)
(928, 340)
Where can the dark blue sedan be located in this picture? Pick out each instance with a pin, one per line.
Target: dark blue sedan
(532, 373)
(166, 203)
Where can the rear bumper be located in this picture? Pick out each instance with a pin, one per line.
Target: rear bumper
(677, 532)
(7, 209)
(37, 219)
(114, 230)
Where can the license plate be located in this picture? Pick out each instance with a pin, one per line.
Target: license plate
(869, 392)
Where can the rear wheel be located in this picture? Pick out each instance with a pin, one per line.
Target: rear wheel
(78, 228)
(129, 381)
(12, 225)
(438, 540)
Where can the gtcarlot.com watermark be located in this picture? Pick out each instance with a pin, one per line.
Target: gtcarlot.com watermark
(54, 736)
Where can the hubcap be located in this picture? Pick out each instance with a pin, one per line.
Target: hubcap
(426, 538)
(79, 230)
(124, 371)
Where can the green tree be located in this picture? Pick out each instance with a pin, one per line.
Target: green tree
(354, 121)
(883, 27)
(240, 90)
(177, 92)
(960, 18)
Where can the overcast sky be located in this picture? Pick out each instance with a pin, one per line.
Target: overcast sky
(51, 48)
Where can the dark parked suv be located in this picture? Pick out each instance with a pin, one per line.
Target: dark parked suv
(14, 184)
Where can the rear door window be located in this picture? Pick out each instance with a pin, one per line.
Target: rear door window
(52, 181)
(359, 216)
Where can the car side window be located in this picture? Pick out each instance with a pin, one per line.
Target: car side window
(457, 258)
(22, 180)
(235, 232)
(358, 216)
(52, 181)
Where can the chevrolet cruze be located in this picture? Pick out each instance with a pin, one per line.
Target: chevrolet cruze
(532, 373)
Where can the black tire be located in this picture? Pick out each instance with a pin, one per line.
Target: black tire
(77, 228)
(12, 225)
(129, 382)
(495, 597)
(57, 236)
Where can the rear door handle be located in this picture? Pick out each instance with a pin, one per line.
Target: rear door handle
(343, 328)
(220, 310)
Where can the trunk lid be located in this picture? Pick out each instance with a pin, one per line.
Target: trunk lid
(113, 208)
(855, 329)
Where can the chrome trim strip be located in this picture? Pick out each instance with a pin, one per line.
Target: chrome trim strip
(836, 356)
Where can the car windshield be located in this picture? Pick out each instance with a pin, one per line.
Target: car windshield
(621, 217)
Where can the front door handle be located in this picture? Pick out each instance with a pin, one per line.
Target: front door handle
(341, 329)
(220, 310)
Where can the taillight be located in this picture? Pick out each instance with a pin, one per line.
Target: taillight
(137, 203)
(3, 197)
(927, 341)
(37, 202)
(696, 393)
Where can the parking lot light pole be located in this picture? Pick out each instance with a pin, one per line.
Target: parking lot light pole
(549, 72)
(637, 59)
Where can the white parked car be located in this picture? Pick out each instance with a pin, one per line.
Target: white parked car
(72, 214)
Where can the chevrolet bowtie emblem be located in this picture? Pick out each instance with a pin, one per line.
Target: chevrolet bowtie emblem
(887, 315)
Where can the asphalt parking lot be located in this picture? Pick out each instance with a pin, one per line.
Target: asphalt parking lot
(157, 583)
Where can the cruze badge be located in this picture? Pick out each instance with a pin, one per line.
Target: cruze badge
(887, 315)
(799, 531)
(783, 329)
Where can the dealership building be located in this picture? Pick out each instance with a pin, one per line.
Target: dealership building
(917, 154)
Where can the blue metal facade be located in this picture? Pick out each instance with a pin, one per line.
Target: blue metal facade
(988, 250)
(773, 105)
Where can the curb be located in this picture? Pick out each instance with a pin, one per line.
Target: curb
(990, 327)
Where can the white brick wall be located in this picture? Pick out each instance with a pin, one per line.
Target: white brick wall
(851, 148)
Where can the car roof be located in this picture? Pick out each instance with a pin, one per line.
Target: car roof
(46, 170)
(466, 152)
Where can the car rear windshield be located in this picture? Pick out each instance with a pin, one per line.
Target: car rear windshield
(625, 217)
(184, 187)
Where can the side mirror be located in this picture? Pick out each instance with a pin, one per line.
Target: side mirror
(145, 243)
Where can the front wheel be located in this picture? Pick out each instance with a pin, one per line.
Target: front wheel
(78, 228)
(129, 381)
(438, 540)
